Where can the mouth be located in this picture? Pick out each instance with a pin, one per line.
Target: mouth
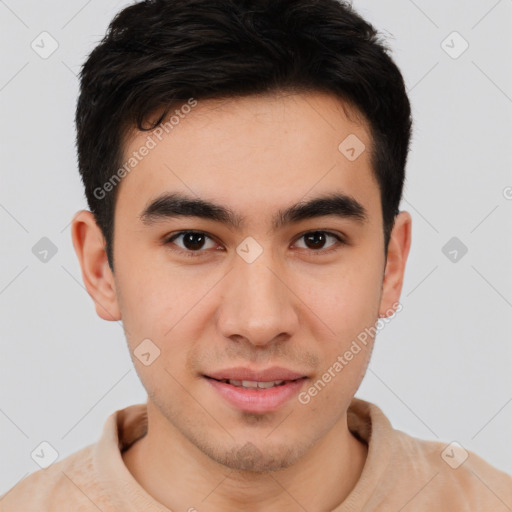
(256, 396)
(253, 384)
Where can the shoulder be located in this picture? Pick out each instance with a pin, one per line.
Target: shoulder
(69, 482)
(455, 476)
(405, 472)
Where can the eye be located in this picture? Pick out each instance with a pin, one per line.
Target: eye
(316, 240)
(195, 243)
(191, 242)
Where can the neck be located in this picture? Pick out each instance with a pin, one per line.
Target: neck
(179, 476)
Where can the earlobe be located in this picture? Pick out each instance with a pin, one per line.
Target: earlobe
(97, 276)
(397, 253)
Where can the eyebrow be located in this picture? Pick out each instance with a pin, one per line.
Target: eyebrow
(173, 205)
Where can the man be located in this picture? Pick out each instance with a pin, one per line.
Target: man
(243, 161)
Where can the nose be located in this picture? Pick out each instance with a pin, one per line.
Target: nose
(258, 304)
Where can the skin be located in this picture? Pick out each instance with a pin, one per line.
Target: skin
(292, 307)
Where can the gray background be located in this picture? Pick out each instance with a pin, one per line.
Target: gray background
(440, 370)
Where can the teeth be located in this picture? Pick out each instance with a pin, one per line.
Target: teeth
(255, 384)
(266, 385)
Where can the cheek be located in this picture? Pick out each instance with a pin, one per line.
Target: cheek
(346, 298)
(163, 303)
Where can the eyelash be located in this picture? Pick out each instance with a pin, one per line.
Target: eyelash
(200, 252)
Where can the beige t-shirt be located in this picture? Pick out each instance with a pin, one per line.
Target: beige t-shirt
(401, 473)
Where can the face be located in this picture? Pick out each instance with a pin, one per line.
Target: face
(256, 289)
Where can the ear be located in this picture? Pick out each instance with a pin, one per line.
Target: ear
(397, 252)
(97, 276)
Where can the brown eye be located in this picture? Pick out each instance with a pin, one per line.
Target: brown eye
(191, 241)
(316, 240)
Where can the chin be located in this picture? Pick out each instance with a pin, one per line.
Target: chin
(248, 457)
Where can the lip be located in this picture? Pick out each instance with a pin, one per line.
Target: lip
(257, 400)
(264, 375)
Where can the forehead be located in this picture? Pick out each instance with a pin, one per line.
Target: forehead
(251, 152)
